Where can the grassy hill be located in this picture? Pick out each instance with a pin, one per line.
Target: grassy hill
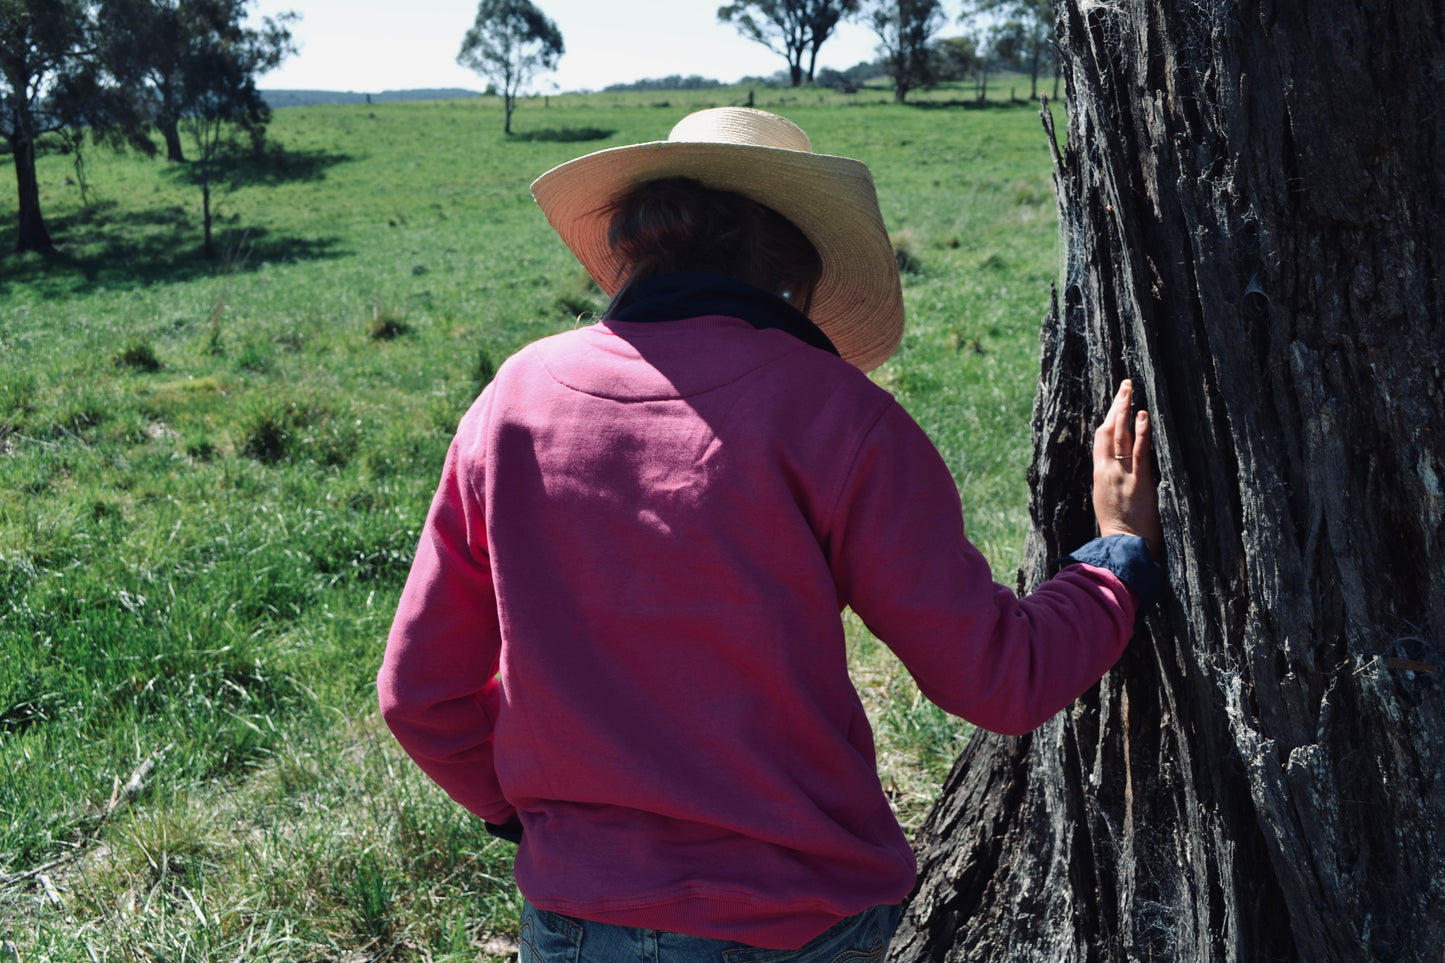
(214, 475)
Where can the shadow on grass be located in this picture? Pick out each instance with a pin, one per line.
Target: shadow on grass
(103, 247)
(267, 168)
(971, 104)
(566, 135)
(102, 250)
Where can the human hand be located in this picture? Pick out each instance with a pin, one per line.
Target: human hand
(1125, 502)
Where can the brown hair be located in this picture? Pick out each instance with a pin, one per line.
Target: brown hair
(676, 224)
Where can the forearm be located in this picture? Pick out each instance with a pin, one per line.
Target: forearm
(437, 686)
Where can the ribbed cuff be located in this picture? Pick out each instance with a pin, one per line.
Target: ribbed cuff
(1127, 556)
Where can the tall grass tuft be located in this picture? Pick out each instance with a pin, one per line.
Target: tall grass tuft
(369, 887)
(387, 323)
(281, 429)
(582, 300)
(139, 357)
(905, 252)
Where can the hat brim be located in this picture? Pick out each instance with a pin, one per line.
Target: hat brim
(858, 302)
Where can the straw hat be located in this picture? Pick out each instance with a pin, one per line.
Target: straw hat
(858, 302)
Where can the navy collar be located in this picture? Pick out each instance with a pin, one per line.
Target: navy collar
(694, 294)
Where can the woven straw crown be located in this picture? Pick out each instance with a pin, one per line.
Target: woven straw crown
(858, 302)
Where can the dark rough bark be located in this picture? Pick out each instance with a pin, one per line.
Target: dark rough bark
(208, 244)
(170, 129)
(1253, 207)
(31, 233)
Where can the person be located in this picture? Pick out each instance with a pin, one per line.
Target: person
(621, 641)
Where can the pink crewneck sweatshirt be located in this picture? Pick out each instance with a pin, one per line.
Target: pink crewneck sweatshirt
(623, 626)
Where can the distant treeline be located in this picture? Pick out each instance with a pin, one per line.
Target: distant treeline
(673, 82)
(853, 78)
(307, 98)
(846, 80)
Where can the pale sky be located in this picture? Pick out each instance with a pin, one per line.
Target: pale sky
(369, 46)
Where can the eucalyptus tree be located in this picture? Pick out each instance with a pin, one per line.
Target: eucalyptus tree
(510, 42)
(115, 67)
(45, 56)
(190, 63)
(189, 68)
(219, 107)
(1252, 202)
(905, 29)
(792, 28)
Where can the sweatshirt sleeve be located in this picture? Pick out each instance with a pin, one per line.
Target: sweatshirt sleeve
(438, 683)
(904, 565)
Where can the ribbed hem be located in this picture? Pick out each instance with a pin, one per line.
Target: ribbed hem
(773, 926)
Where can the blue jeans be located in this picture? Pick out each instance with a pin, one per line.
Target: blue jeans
(553, 938)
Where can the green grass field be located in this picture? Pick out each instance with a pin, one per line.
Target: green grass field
(212, 477)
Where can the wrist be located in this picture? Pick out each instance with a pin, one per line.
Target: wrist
(1127, 555)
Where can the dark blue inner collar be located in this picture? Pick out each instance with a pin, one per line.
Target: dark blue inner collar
(693, 294)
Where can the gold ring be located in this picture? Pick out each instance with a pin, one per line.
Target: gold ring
(1120, 457)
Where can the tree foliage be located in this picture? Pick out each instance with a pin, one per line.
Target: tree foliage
(510, 42)
(953, 59)
(192, 61)
(904, 29)
(792, 28)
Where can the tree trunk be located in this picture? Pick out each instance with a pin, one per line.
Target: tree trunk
(208, 243)
(31, 233)
(902, 78)
(170, 130)
(1253, 207)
